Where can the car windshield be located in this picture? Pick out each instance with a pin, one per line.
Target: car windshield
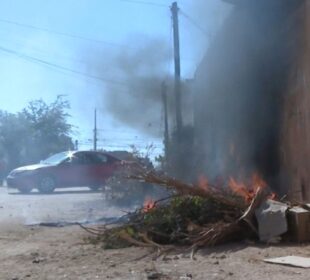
(57, 158)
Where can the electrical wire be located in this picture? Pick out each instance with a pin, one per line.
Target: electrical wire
(145, 3)
(120, 146)
(66, 34)
(57, 66)
(195, 23)
(38, 51)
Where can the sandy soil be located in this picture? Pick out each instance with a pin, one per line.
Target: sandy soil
(61, 253)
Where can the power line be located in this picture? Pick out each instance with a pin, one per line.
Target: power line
(145, 3)
(126, 141)
(57, 66)
(119, 146)
(195, 23)
(37, 51)
(66, 34)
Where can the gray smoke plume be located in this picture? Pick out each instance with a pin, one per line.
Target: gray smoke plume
(240, 86)
(210, 14)
(136, 102)
(134, 96)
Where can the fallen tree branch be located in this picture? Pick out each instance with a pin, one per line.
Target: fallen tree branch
(220, 194)
(248, 216)
(193, 216)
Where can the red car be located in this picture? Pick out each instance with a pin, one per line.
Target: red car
(63, 170)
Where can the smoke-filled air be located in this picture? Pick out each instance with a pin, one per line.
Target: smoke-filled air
(240, 86)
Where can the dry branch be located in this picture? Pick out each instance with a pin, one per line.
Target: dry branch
(219, 194)
(220, 217)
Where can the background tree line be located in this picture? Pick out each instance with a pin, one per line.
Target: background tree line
(32, 134)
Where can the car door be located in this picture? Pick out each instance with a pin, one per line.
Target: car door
(86, 173)
(101, 169)
(75, 171)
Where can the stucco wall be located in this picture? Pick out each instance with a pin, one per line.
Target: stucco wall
(252, 100)
(295, 134)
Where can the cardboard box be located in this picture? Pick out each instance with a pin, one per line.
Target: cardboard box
(299, 224)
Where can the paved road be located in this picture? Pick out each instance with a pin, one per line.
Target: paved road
(64, 205)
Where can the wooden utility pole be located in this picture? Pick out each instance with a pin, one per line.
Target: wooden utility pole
(95, 130)
(177, 66)
(165, 107)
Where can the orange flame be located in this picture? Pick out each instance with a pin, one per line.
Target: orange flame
(272, 196)
(257, 182)
(247, 192)
(148, 205)
(240, 189)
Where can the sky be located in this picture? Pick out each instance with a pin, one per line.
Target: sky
(42, 63)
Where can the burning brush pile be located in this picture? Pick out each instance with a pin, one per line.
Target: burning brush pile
(193, 215)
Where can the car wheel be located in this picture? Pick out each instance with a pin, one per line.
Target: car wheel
(47, 184)
(25, 189)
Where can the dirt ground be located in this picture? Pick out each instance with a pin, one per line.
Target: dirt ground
(61, 253)
(63, 205)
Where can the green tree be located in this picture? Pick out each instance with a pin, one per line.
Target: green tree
(36, 132)
(50, 130)
(14, 133)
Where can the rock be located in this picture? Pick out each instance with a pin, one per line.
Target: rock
(38, 260)
(271, 218)
(154, 275)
